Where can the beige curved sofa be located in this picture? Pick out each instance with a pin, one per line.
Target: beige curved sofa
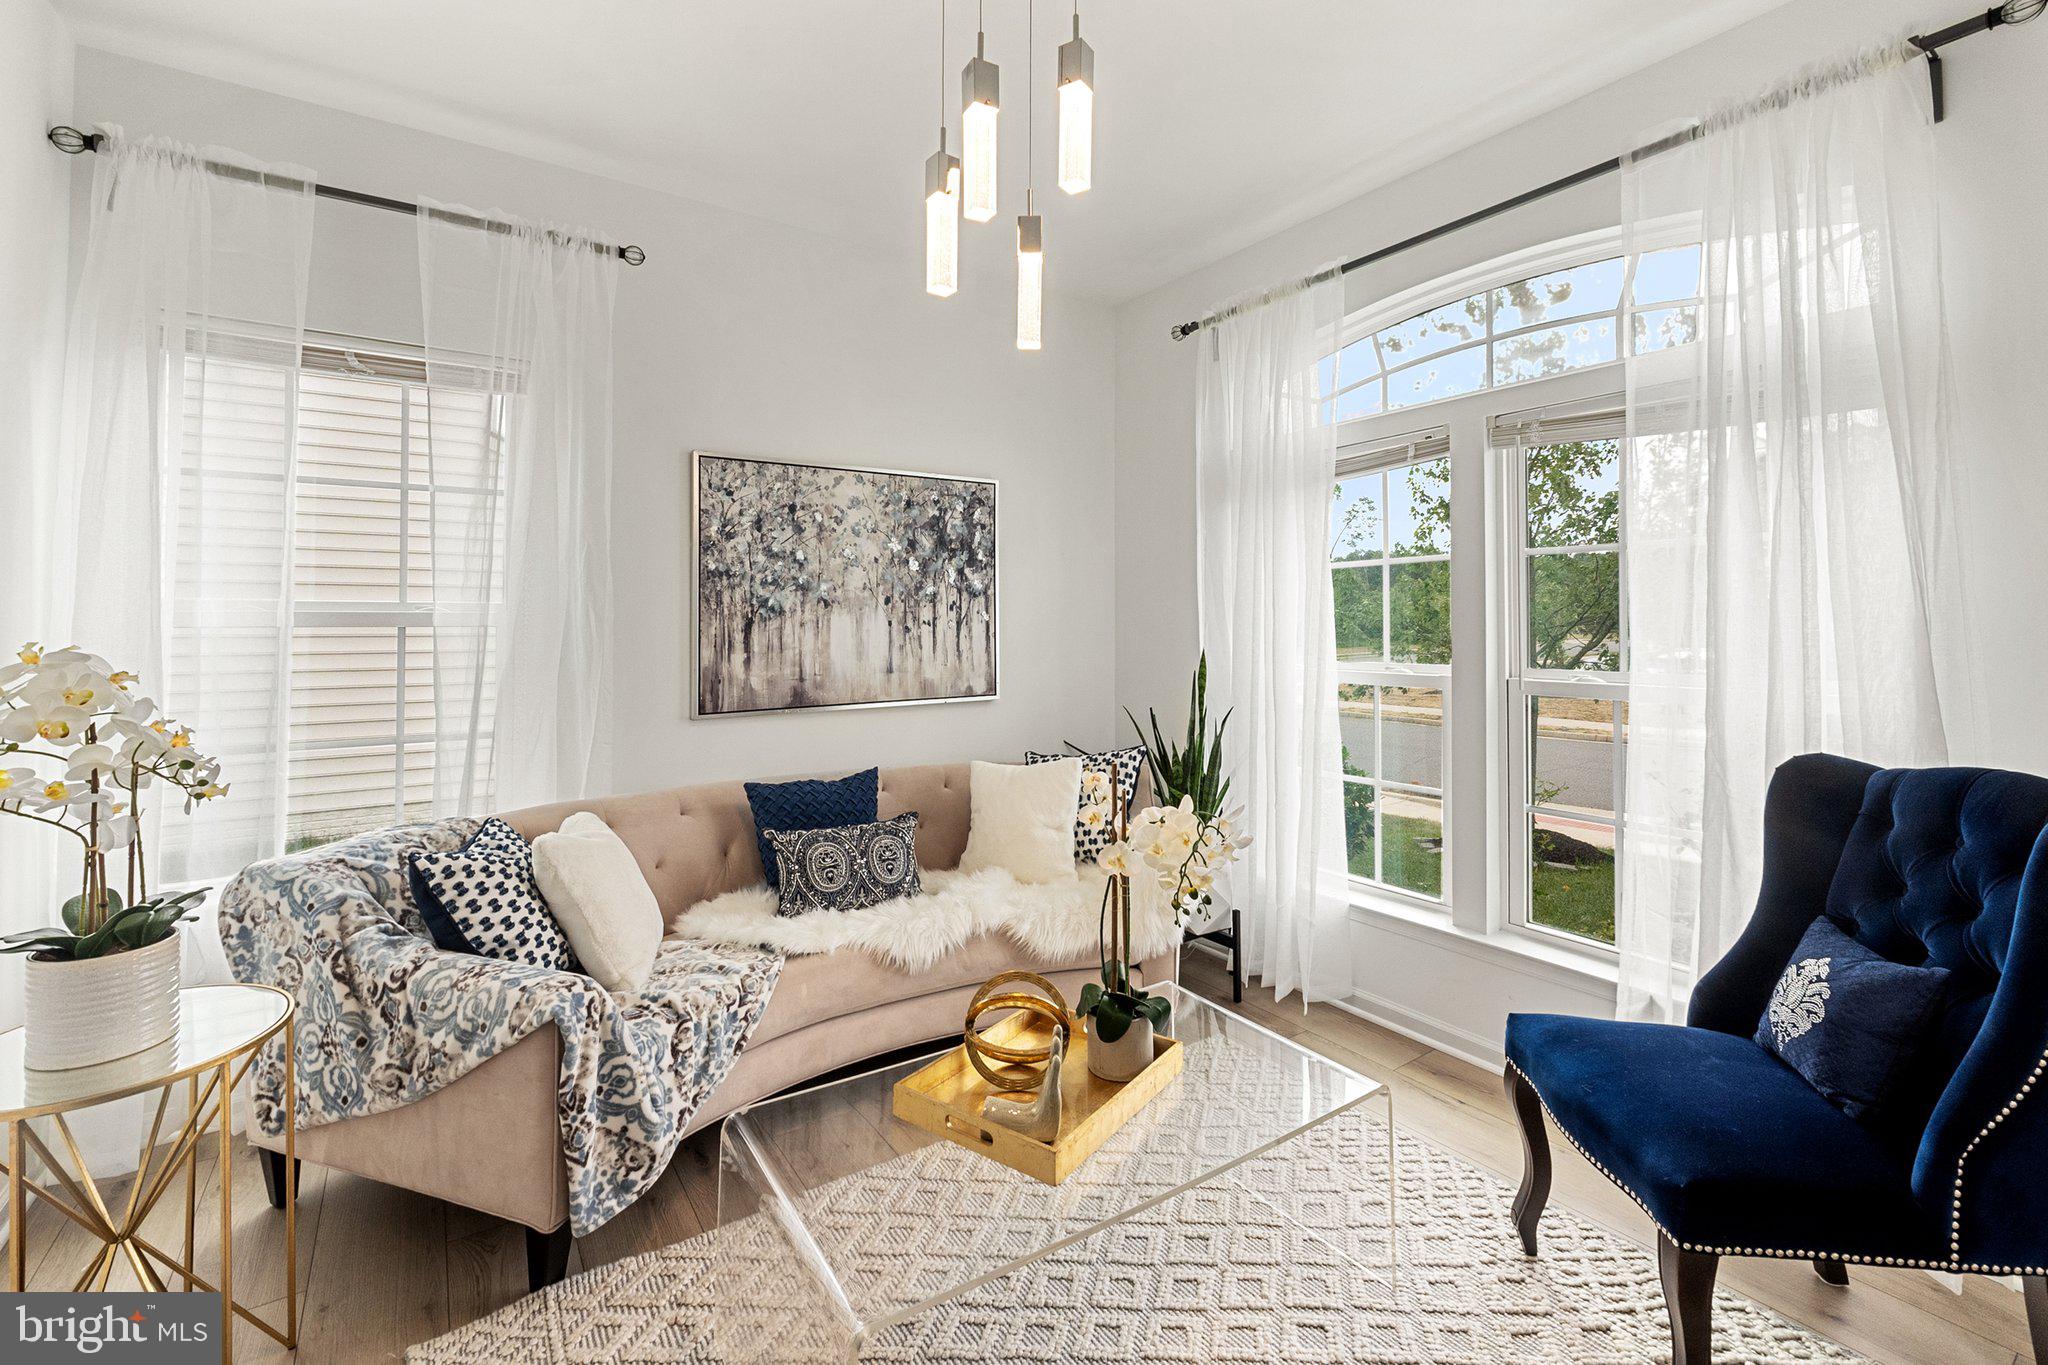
(490, 1141)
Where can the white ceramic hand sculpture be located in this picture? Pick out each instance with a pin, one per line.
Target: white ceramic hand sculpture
(1037, 1118)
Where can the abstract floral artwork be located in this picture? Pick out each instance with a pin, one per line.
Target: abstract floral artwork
(820, 586)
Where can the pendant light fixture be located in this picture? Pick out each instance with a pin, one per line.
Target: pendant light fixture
(1077, 111)
(979, 102)
(1030, 227)
(942, 198)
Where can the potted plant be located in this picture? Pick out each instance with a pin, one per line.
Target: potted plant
(78, 749)
(1182, 850)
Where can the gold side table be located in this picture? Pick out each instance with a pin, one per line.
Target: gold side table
(220, 1031)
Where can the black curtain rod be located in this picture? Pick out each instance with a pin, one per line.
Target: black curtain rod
(72, 141)
(2012, 12)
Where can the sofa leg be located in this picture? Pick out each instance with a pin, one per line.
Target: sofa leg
(1689, 1298)
(547, 1256)
(2037, 1313)
(1535, 1191)
(273, 1175)
(1834, 1272)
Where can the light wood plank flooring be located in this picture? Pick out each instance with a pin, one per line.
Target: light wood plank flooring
(382, 1268)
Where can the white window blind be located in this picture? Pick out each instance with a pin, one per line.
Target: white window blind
(361, 683)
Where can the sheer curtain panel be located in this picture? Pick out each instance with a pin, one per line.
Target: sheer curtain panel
(1788, 482)
(1265, 470)
(520, 511)
(177, 467)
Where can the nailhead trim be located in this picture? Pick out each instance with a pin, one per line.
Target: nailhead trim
(1955, 1234)
(1955, 1263)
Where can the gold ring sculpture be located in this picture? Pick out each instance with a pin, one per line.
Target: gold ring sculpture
(1015, 1068)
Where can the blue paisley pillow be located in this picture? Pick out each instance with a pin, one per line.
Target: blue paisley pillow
(847, 868)
(1849, 1020)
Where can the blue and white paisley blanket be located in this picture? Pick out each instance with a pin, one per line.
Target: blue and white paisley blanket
(386, 1018)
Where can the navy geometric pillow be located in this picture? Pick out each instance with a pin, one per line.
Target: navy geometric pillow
(1848, 1020)
(809, 804)
(848, 868)
(1121, 766)
(482, 899)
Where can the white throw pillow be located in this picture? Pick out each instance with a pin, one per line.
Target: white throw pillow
(596, 893)
(1021, 819)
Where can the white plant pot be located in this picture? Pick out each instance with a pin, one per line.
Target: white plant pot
(94, 1010)
(1124, 1058)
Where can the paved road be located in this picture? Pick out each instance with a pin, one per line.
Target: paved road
(1584, 767)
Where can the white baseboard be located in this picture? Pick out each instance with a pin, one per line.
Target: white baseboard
(1426, 1029)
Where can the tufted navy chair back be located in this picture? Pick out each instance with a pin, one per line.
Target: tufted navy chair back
(1931, 875)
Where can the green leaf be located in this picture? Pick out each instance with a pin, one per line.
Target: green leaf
(1091, 994)
(1156, 1008)
(1112, 1020)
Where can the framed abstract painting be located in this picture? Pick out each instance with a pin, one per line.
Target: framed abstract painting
(824, 586)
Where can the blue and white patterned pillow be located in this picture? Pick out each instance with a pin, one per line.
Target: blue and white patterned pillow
(482, 899)
(1122, 766)
(848, 867)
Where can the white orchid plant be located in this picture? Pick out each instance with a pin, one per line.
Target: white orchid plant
(1183, 851)
(78, 748)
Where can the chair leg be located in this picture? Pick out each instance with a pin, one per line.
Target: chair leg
(1689, 1298)
(1834, 1272)
(547, 1256)
(1535, 1191)
(273, 1175)
(2036, 1287)
(1236, 957)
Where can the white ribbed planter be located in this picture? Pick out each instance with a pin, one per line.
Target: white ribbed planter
(82, 1013)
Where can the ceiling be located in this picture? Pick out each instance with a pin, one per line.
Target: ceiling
(1218, 121)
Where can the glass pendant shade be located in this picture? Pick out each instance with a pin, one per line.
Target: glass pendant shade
(979, 107)
(1030, 282)
(1077, 113)
(942, 221)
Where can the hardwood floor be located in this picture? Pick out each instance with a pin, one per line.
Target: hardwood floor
(382, 1268)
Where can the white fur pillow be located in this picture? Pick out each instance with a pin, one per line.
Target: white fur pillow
(596, 893)
(1021, 819)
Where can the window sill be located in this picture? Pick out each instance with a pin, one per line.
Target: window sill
(1522, 951)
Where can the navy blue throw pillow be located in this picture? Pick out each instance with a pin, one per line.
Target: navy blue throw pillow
(809, 804)
(482, 899)
(1849, 1020)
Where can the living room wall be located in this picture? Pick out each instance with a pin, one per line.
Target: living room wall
(745, 336)
(1454, 989)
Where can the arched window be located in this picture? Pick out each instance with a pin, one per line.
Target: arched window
(1551, 320)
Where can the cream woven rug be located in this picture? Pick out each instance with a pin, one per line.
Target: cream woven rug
(1216, 1274)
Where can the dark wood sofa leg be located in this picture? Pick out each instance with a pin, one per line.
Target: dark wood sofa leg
(1834, 1272)
(2037, 1313)
(547, 1256)
(1535, 1191)
(273, 1175)
(1689, 1297)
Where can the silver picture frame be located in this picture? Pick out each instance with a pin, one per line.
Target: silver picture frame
(697, 610)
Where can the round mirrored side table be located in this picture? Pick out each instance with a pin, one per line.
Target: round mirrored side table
(220, 1031)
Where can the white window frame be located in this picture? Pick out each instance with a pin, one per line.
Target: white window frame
(1601, 419)
(1383, 455)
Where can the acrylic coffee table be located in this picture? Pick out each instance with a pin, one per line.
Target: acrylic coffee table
(860, 1221)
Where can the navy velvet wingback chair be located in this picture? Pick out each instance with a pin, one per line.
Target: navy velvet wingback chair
(1732, 1153)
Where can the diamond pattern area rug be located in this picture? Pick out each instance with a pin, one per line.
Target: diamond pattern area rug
(1283, 1260)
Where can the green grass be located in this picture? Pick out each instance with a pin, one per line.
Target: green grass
(1578, 900)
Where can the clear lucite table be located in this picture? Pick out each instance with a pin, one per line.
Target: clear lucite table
(853, 1221)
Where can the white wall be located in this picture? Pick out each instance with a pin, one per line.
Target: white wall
(35, 92)
(1994, 151)
(745, 336)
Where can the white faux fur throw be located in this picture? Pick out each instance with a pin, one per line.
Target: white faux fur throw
(1052, 920)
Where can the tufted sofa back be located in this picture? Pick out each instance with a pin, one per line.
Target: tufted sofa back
(1932, 874)
(693, 843)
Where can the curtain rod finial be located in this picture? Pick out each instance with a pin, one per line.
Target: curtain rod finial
(71, 141)
(632, 255)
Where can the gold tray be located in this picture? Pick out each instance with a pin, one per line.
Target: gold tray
(944, 1097)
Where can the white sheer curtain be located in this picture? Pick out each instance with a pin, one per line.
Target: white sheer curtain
(518, 329)
(177, 467)
(1788, 478)
(1265, 471)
